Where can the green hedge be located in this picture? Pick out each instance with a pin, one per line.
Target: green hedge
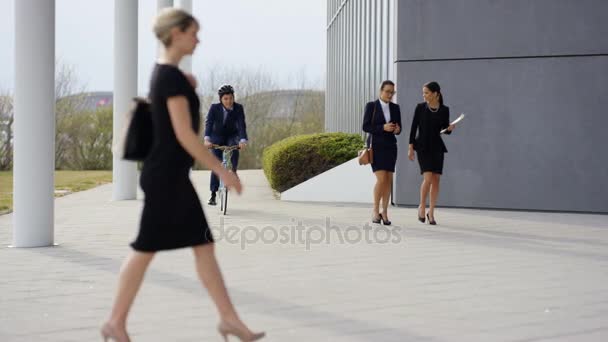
(294, 160)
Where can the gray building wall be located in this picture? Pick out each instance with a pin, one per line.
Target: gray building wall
(360, 55)
(532, 77)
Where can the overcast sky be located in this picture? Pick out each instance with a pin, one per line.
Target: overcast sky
(282, 36)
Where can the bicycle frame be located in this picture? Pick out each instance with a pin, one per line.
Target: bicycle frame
(227, 164)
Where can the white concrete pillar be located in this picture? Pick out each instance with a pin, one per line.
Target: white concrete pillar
(125, 88)
(34, 125)
(186, 63)
(186, 5)
(160, 4)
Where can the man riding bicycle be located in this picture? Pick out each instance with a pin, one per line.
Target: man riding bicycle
(225, 125)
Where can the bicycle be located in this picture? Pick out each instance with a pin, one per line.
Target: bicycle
(227, 164)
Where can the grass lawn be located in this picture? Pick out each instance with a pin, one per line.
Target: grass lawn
(65, 181)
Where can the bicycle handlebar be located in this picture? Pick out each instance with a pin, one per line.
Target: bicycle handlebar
(225, 148)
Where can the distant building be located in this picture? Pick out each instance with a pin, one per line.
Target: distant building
(284, 104)
(91, 101)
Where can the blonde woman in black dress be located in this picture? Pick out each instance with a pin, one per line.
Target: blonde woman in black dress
(173, 216)
(430, 118)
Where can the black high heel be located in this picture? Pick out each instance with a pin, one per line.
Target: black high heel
(377, 219)
(433, 222)
(384, 221)
(421, 219)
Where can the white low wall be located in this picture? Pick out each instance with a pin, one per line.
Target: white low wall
(349, 182)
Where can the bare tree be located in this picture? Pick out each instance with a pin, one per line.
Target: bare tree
(245, 81)
(6, 131)
(94, 135)
(69, 99)
(272, 113)
(82, 138)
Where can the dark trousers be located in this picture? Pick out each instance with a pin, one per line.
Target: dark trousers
(215, 181)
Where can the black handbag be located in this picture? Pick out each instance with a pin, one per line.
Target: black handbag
(138, 138)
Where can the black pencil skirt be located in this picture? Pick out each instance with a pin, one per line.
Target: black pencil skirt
(385, 158)
(430, 162)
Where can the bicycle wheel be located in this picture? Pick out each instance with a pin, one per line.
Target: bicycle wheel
(225, 201)
(221, 190)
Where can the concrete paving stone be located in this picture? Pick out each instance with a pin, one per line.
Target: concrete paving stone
(480, 275)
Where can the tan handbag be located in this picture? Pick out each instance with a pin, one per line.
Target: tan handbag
(366, 155)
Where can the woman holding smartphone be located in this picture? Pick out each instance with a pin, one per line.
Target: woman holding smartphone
(382, 120)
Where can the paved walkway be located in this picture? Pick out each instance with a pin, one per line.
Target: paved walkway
(479, 276)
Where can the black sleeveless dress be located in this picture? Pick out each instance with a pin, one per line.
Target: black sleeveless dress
(172, 216)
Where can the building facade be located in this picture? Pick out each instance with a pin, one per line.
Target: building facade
(360, 50)
(532, 77)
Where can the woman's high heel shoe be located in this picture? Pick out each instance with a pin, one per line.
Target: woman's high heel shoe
(421, 219)
(225, 329)
(433, 222)
(376, 219)
(385, 221)
(109, 333)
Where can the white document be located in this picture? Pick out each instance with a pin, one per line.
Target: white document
(458, 119)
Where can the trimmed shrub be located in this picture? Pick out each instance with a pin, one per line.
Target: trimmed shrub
(294, 160)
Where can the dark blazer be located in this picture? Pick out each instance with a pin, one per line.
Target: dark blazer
(427, 126)
(234, 127)
(376, 128)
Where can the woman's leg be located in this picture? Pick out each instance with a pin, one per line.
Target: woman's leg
(388, 180)
(434, 194)
(378, 191)
(211, 276)
(130, 279)
(424, 192)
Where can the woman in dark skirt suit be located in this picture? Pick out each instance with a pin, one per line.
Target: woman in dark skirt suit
(382, 120)
(172, 216)
(430, 117)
